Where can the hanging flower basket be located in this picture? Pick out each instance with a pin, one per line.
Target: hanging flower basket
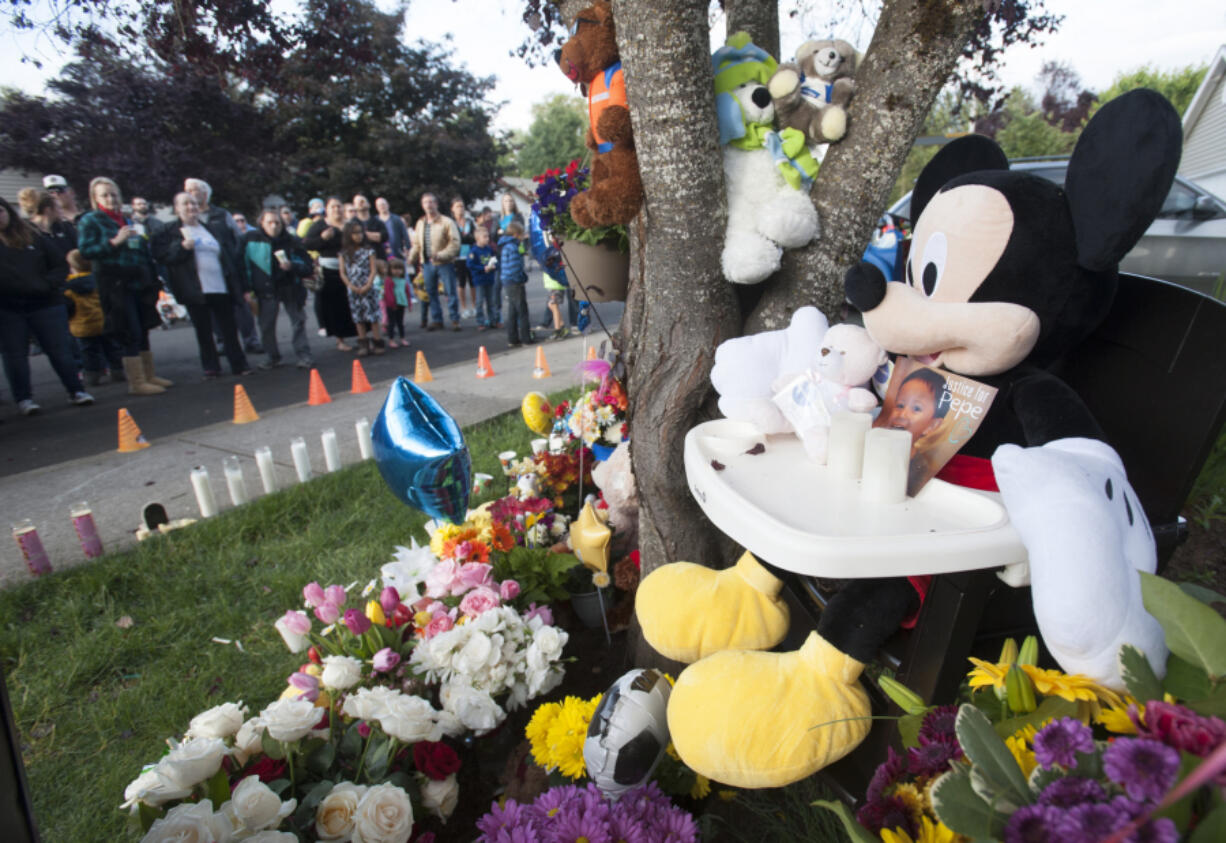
(597, 273)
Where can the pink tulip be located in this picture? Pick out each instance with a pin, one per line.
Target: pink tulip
(385, 660)
(297, 622)
(335, 594)
(306, 683)
(439, 623)
(508, 589)
(389, 599)
(328, 613)
(356, 621)
(313, 594)
(479, 600)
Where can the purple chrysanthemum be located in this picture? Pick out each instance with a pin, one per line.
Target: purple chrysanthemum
(675, 826)
(1059, 742)
(1146, 769)
(501, 817)
(888, 812)
(889, 771)
(577, 820)
(624, 824)
(1091, 823)
(1072, 790)
(939, 723)
(552, 801)
(933, 755)
(1034, 824)
(1157, 831)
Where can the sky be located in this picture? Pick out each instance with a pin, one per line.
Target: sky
(1099, 38)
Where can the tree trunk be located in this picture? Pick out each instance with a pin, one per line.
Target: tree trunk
(760, 18)
(914, 49)
(681, 307)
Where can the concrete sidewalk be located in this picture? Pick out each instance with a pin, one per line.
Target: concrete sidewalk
(117, 486)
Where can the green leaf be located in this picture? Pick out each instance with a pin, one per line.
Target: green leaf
(1138, 675)
(218, 788)
(1040, 778)
(992, 793)
(988, 752)
(1185, 681)
(1212, 828)
(316, 794)
(1194, 631)
(273, 748)
(149, 814)
(351, 743)
(1205, 595)
(908, 729)
(319, 761)
(1052, 708)
(958, 806)
(279, 786)
(856, 832)
(1213, 705)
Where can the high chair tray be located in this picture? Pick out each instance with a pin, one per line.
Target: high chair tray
(785, 508)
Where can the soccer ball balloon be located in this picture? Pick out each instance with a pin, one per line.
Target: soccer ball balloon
(628, 732)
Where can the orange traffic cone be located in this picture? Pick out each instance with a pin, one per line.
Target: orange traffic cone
(422, 374)
(484, 369)
(130, 437)
(360, 384)
(591, 352)
(541, 370)
(243, 410)
(318, 394)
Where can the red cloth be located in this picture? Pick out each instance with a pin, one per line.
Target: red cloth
(119, 220)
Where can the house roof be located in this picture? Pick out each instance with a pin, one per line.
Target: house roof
(1217, 67)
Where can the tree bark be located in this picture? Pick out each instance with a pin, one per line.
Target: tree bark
(681, 308)
(760, 18)
(913, 51)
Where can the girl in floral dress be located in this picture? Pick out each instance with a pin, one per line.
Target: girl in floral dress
(358, 275)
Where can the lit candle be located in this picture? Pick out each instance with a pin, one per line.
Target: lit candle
(845, 448)
(87, 531)
(887, 454)
(204, 492)
(26, 536)
(302, 460)
(365, 447)
(268, 473)
(332, 450)
(234, 480)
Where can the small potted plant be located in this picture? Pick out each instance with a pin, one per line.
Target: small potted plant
(597, 260)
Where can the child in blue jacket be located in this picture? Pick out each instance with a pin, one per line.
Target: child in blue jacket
(514, 280)
(481, 266)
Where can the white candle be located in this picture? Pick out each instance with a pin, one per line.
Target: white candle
(204, 492)
(268, 474)
(332, 451)
(302, 460)
(887, 454)
(234, 480)
(845, 447)
(365, 446)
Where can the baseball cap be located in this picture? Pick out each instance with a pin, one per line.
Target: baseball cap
(315, 206)
(54, 181)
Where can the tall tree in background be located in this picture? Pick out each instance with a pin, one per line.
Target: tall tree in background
(555, 136)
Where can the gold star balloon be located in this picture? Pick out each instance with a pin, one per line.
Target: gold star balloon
(589, 539)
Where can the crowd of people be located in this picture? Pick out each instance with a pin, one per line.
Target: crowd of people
(86, 286)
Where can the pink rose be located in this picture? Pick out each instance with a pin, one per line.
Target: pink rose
(474, 574)
(439, 623)
(297, 622)
(508, 589)
(480, 599)
(306, 683)
(313, 594)
(542, 612)
(389, 599)
(386, 659)
(440, 582)
(327, 612)
(434, 607)
(335, 594)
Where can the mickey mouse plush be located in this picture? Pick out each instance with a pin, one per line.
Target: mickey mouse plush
(1007, 273)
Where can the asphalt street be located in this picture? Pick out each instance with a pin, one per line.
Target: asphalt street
(62, 432)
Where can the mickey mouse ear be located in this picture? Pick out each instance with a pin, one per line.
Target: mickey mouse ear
(956, 158)
(1120, 174)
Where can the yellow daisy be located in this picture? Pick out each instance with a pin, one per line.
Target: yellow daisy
(702, 786)
(930, 832)
(1115, 719)
(1049, 683)
(1020, 744)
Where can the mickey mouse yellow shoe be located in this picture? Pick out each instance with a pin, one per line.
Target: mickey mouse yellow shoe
(752, 719)
(689, 611)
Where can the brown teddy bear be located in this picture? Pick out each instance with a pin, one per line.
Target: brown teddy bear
(811, 94)
(590, 59)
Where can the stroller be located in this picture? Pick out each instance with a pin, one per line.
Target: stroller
(170, 310)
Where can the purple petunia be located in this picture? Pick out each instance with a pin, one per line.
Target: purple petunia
(1091, 823)
(1059, 741)
(933, 755)
(1034, 824)
(1070, 791)
(1146, 769)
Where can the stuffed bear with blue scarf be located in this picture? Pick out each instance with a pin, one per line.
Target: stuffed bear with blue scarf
(812, 94)
(767, 173)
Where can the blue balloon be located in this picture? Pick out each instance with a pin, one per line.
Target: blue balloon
(421, 453)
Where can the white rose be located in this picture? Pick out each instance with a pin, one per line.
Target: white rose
(218, 722)
(550, 640)
(335, 815)
(440, 797)
(367, 703)
(295, 641)
(152, 788)
(257, 807)
(384, 815)
(191, 822)
(472, 657)
(193, 761)
(475, 709)
(449, 724)
(290, 720)
(341, 672)
(271, 837)
(409, 719)
(249, 740)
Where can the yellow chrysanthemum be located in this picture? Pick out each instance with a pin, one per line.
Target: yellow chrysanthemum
(1020, 745)
(538, 728)
(930, 832)
(910, 796)
(702, 786)
(1049, 683)
(566, 735)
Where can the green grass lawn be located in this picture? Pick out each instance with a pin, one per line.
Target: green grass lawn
(93, 701)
